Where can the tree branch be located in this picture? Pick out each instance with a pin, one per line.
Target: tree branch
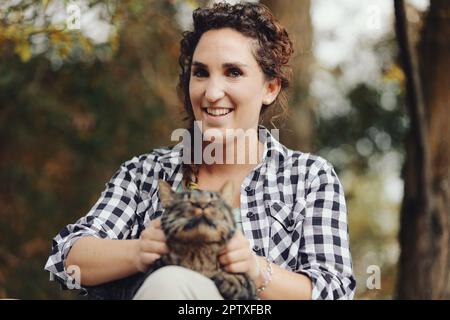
(416, 106)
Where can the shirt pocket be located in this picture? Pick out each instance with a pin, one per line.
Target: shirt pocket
(285, 227)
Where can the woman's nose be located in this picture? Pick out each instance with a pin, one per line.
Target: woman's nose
(214, 91)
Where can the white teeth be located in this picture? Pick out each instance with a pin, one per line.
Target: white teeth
(218, 112)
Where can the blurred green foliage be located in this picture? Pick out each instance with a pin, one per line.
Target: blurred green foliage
(366, 146)
(69, 118)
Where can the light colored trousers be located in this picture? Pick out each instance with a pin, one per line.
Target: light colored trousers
(177, 283)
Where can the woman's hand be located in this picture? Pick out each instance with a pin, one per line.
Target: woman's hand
(150, 246)
(239, 258)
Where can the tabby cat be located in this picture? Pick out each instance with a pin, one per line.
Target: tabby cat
(197, 225)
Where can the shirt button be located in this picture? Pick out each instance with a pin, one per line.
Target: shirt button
(256, 248)
(248, 189)
(250, 214)
(291, 223)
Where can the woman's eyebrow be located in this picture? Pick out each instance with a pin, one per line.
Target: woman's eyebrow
(233, 65)
(198, 64)
(224, 65)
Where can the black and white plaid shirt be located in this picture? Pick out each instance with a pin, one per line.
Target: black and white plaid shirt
(292, 205)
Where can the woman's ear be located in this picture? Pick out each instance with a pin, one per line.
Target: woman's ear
(272, 89)
(165, 193)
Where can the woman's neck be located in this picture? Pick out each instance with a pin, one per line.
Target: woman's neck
(212, 176)
(234, 160)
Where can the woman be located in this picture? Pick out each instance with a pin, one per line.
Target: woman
(294, 236)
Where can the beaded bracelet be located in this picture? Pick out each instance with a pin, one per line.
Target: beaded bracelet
(267, 277)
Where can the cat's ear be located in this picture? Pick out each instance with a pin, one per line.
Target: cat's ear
(165, 193)
(226, 192)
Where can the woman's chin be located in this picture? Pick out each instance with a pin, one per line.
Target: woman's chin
(214, 134)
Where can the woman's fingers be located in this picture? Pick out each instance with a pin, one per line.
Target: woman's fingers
(236, 242)
(238, 257)
(158, 235)
(238, 267)
(151, 246)
(148, 258)
(152, 233)
(230, 257)
(156, 223)
(241, 261)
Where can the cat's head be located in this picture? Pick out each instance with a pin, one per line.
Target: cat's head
(197, 217)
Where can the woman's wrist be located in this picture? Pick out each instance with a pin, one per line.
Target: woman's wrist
(261, 269)
(133, 254)
(265, 274)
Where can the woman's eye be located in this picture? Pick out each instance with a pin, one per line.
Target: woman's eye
(199, 73)
(234, 72)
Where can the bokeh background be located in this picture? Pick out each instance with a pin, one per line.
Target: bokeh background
(86, 85)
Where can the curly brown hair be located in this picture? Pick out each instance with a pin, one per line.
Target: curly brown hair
(272, 51)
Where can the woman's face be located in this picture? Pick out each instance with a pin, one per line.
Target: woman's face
(227, 87)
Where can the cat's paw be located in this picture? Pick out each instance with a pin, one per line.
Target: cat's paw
(234, 286)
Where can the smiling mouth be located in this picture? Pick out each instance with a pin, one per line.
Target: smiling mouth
(217, 112)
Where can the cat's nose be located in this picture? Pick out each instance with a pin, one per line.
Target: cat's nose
(198, 211)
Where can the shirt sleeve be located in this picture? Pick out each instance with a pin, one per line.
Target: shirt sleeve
(111, 218)
(324, 253)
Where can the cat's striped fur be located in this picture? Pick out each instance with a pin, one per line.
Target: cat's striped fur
(198, 224)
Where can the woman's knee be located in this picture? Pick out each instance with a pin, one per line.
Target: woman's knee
(175, 282)
(169, 276)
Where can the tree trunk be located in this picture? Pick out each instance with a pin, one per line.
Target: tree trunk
(424, 227)
(298, 129)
